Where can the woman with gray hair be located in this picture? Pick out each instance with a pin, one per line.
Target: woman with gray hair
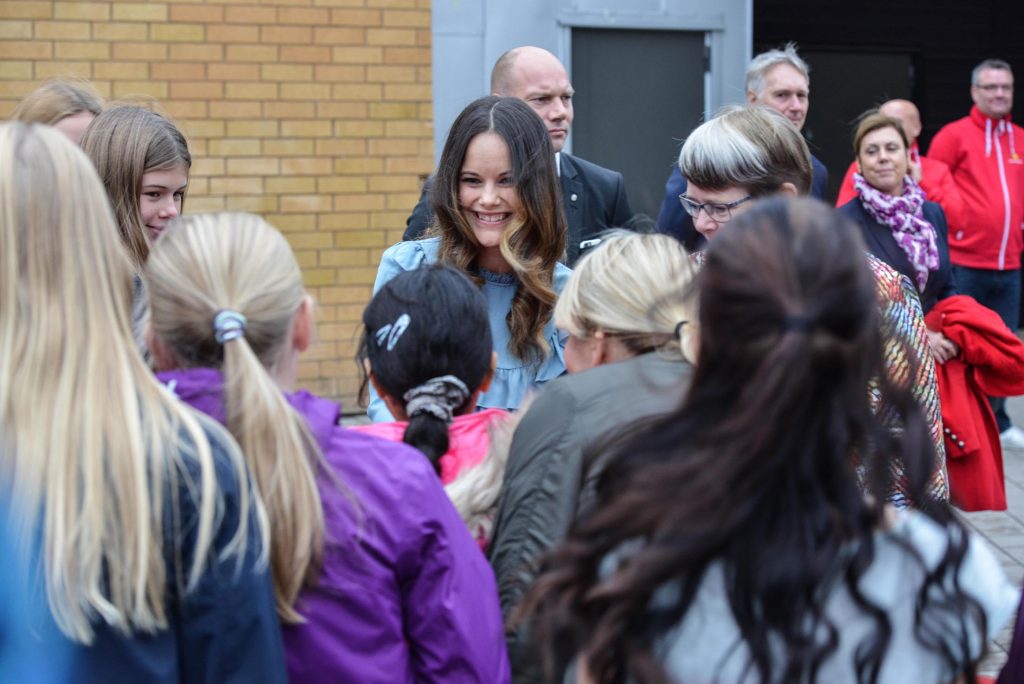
(749, 152)
(630, 322)
(741, 154)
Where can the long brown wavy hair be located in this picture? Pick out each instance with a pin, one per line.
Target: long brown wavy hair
(533, 245)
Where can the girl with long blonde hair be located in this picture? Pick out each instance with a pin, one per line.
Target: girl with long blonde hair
(150, 541)
(499, 220)
(371, 587)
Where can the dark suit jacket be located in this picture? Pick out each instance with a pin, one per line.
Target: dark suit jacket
(594, 199)
(672, 220)
(882, 244)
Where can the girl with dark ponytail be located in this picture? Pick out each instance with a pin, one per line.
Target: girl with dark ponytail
(734, 544)
(427, 351)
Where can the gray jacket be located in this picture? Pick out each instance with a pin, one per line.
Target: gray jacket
(556, 460)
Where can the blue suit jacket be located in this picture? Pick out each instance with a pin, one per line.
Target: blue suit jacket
(594, 199)
(673, 221)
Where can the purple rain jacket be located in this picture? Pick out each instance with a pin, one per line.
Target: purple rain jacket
(404, 595)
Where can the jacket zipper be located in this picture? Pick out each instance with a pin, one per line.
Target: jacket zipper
(1006, 204)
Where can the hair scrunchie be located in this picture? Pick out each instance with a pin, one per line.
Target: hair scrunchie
(228, 325)
(438, 396)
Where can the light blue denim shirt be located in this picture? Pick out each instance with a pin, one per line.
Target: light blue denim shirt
(513, 377)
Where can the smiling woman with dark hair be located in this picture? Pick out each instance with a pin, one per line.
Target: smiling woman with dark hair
(499, 221)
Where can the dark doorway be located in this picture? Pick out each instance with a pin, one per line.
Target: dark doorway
(868, 79)
(639, 93)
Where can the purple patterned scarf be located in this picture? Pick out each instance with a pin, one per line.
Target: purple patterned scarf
(904, 216)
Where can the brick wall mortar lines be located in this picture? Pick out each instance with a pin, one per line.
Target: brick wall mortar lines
(315, 114)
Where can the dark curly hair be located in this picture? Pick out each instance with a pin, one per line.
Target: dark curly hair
(755, 471)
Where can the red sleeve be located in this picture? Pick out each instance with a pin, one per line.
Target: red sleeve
(945, 147)
(846, 191)
(937, 183)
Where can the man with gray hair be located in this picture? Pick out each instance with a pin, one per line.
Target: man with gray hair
(594, 197)
(779, 79)
(985, 244)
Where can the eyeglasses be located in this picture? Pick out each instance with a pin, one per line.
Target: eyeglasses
(993, 87)
(717, 212)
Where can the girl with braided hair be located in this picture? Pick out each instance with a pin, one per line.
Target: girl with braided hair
(426, 349)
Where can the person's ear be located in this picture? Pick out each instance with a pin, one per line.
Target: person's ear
(789, 189)
(602, 351)
(302, 325)
(395, 407)
(485, 384)
(163, 359)
(751, 97)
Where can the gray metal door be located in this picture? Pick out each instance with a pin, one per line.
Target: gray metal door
(638, 95)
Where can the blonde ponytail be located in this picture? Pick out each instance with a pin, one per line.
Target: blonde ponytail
(281, 453)
(204, 266)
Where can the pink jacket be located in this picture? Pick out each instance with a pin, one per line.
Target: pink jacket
(468, 439)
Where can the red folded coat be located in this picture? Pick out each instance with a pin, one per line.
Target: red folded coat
(990, 363)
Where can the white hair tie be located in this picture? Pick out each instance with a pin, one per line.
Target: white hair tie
(228, 325)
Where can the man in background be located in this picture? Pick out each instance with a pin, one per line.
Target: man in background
(985, 242)
(779, 79)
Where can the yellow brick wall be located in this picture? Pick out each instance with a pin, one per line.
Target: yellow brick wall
(314, 113)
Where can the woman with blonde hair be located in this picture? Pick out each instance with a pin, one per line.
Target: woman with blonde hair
(151, 541)
(143, 160)
(629, 314)
(371, 587)
(67, 104)
(499, 220)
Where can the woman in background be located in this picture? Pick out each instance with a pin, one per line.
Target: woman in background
(67, 104)
(898, 225)
(151, 542)
(499, 221)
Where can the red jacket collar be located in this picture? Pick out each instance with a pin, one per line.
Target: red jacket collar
(978, 118)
